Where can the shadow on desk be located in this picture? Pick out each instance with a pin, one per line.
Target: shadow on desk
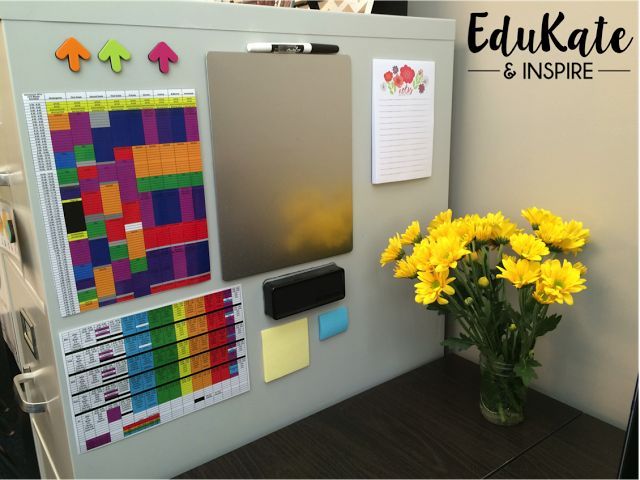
(427, 424)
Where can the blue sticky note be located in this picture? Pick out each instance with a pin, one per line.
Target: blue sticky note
(333, 322)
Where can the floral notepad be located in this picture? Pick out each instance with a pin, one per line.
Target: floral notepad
(402, 128)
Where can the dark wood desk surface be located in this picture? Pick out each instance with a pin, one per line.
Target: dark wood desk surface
(584, 448)
(427, 424)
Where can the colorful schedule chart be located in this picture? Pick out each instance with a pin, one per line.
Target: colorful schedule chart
(128, 374)
(119, 175)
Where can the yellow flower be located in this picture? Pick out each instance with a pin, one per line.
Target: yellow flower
(464, 230)
(540, 295)
(520, 273)
(412, 234)
(492, 227)
(483, 231)
(472, 227)
(480, 228)
(528, 246)
(393, 251)
(446, 251)
(442, 230)
(457, 228)
(406, 268)
(440, 219)
(483, 282)
(422, 254)
(566, 237)
(513, 327)
(501, 228)
(536, 216)
(557, 282)
(552, 233)
(583, 269)
(494, 218)
(432, 286)
(576, 237)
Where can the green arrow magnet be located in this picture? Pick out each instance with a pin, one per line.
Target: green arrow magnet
(114, 51)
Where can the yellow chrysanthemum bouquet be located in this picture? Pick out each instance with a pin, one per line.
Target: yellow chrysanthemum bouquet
(463, 266)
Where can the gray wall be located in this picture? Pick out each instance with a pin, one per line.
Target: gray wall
(571, 147)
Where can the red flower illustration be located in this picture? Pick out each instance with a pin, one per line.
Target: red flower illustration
(421, 88)
(407, 73)
(398, 81)
(388, 76)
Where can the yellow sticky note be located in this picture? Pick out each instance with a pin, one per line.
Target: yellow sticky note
(285, 349)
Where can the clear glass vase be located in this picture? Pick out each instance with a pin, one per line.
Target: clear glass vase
(502, 393)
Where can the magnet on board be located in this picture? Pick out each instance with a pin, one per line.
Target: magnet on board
(115, 53)
(72, 50)
(163, 54)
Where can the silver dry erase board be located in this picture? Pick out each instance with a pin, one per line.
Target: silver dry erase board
(281, 127)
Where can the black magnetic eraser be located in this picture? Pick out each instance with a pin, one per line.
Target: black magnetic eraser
(299, 291)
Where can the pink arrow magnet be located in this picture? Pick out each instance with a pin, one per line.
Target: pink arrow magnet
(163, 54)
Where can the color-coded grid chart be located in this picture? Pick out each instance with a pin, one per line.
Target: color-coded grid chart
(128, 374)
(120, 181)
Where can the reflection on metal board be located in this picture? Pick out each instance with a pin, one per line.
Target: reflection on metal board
(281, 128)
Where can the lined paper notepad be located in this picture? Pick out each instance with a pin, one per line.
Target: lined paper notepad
(402, 126)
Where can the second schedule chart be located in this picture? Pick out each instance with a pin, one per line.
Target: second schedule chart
(131, 373)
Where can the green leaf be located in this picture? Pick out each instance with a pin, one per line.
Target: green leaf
(486, 309)
(525, 369)
(512, 312)
(547, 324)
(457, 343)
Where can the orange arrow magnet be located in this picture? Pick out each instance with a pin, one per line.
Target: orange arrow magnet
(74, 51)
